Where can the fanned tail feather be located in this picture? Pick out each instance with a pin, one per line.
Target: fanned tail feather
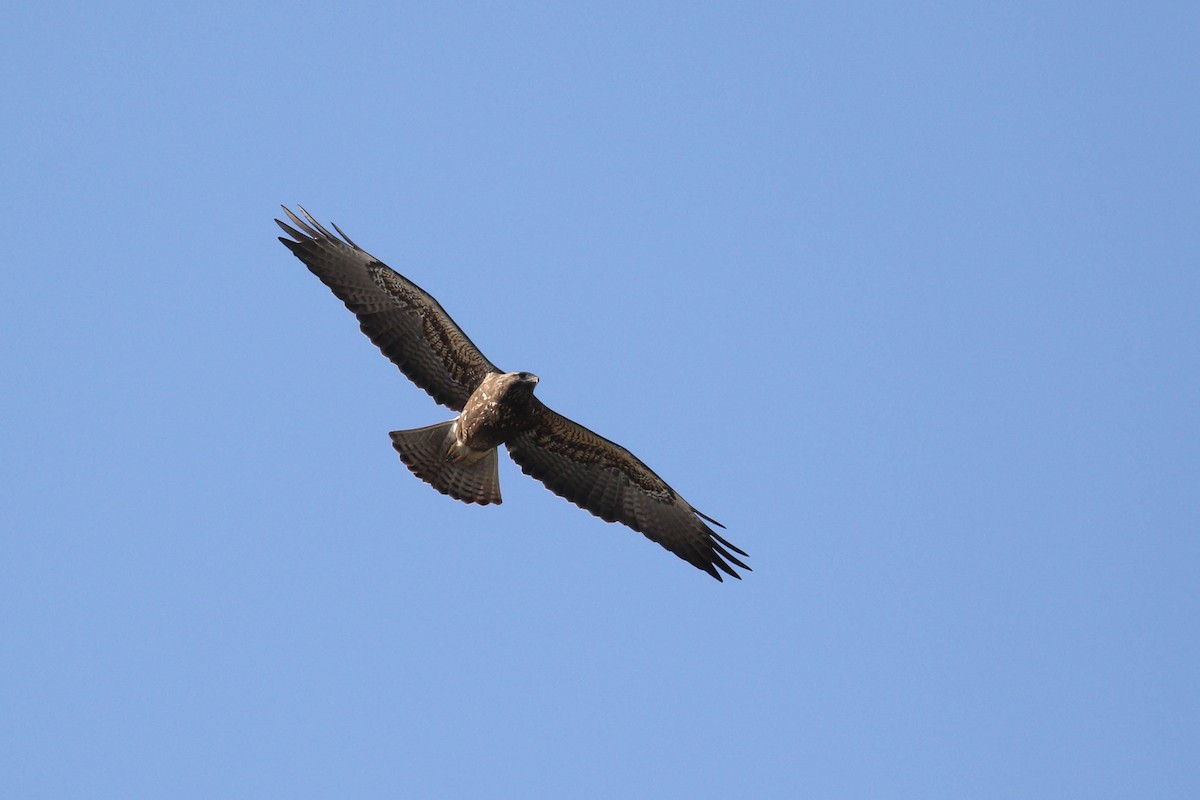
(427, 452)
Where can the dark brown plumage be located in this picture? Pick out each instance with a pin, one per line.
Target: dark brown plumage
(496, 408)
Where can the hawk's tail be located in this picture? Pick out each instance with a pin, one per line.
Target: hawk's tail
(431, 455)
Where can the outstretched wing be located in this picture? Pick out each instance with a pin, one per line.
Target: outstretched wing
(610, 482)
(402, 319)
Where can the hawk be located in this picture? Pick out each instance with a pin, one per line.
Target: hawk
(459, 457)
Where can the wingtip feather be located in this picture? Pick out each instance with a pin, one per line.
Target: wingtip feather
(707, 518)
(347, 239)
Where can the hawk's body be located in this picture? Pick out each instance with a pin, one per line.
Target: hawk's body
(459, 457)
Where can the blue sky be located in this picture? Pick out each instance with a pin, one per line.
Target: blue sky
(905, 295)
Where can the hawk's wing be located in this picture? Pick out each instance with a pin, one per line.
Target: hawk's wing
(609, 481)
(408, 325)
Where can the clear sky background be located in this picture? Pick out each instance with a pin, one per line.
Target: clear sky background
(906, 295)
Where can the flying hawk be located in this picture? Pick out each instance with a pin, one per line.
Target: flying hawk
(459, 457)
